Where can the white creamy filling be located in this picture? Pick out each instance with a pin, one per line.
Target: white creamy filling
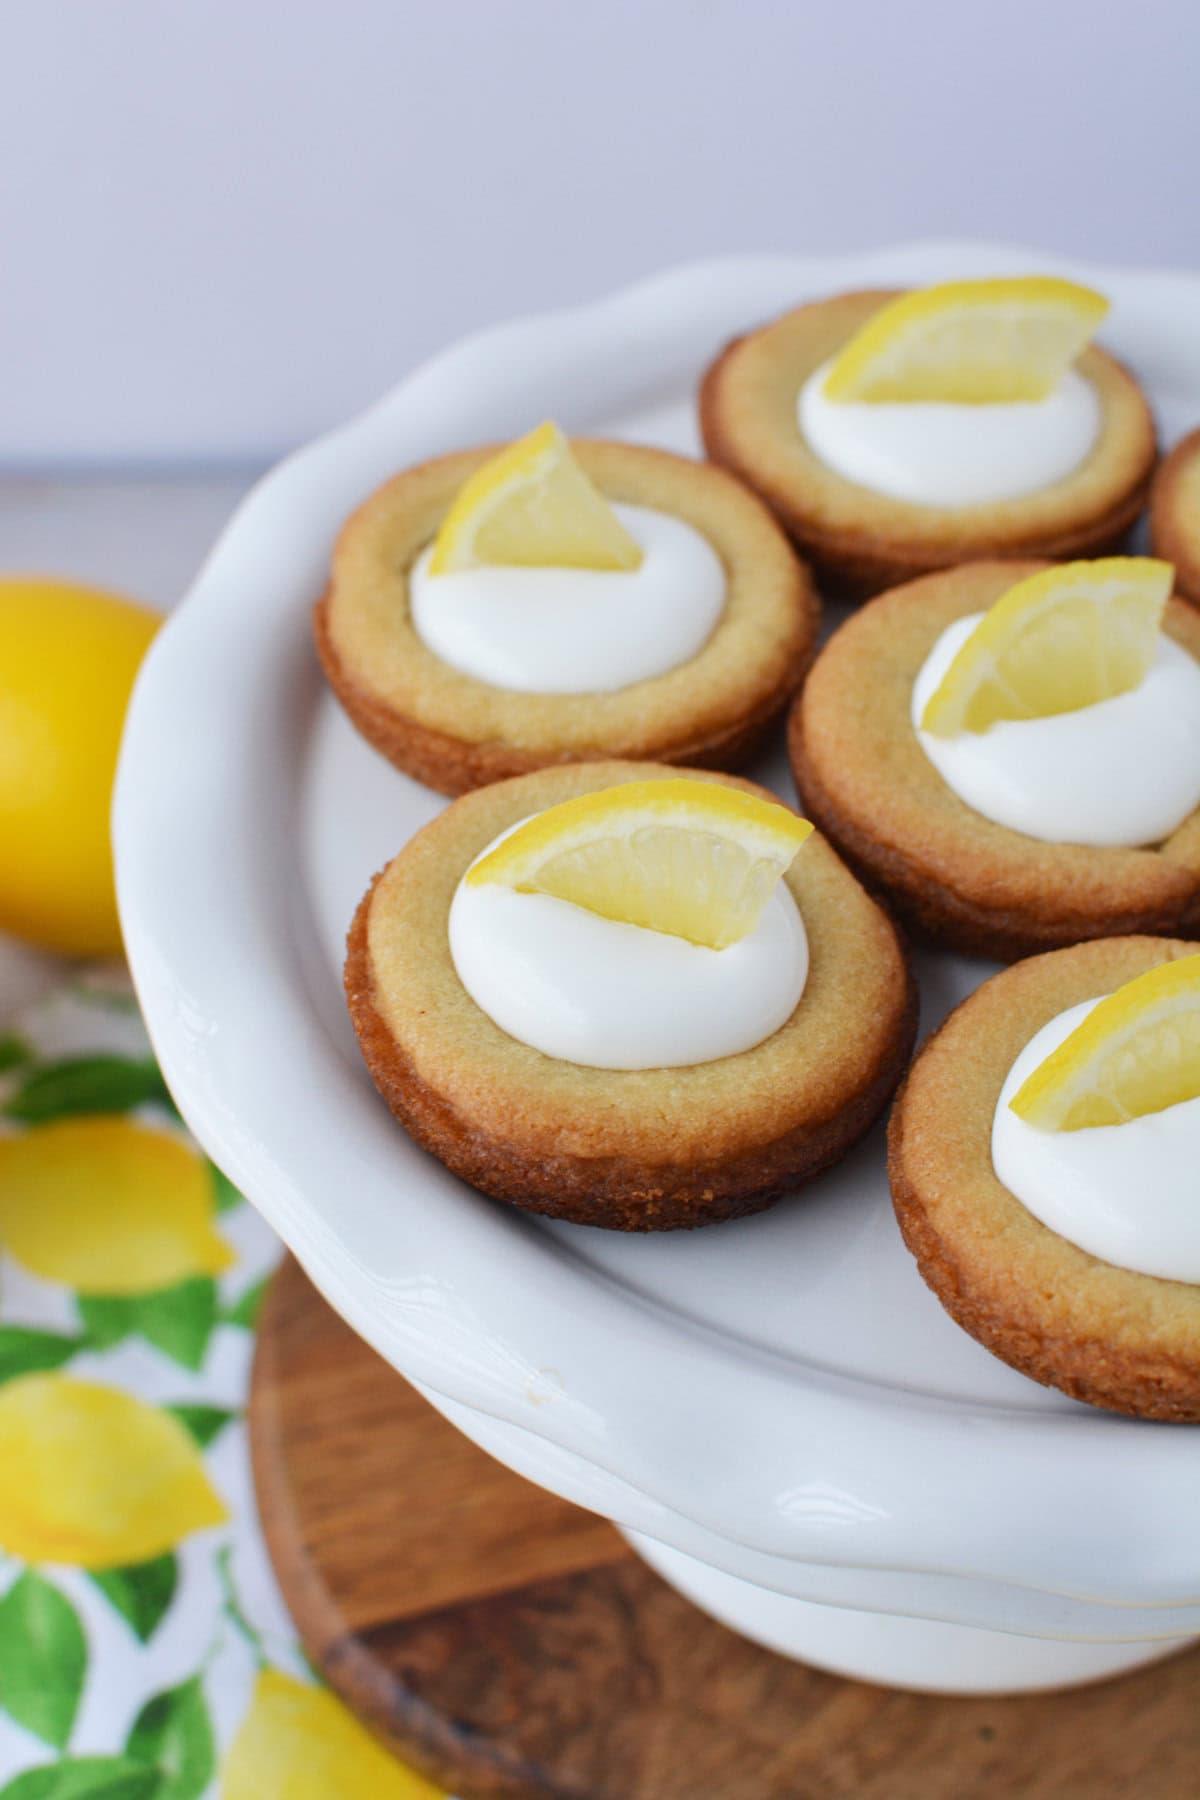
(1129, 1193)
(938, 453)
(595, 991)
(1125, 771)
(576, 631)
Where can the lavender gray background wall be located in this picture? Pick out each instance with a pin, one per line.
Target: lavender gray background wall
(227, 223)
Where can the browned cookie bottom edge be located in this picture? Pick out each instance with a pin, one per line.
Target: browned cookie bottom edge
(454, 766)
(931, 906)
(1148, 1386)
(616, 1193)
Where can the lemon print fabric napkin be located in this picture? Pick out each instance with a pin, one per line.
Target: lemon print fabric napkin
(145, 1652)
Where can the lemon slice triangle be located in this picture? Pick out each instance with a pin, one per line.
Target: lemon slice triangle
(1137, 1052)
(969, 342)
(532, 506)
(692, 859)
(1065, 638)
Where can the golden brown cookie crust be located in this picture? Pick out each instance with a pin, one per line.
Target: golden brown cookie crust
(454, 732)
(633, 1150)
(1175, 514)
(1103, 1334)
(972, 884)
(861, 541)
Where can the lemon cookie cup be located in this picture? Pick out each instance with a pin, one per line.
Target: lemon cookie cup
(861, 540)
(633, 1149)
(970, 883)
(455, 731)
(1102, 1333)
(1175, 514)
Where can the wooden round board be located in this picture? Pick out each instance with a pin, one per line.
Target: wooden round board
(508, 1644)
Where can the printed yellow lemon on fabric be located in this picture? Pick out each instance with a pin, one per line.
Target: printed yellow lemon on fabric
(693, 859)
(299, 1742)
(1138, 1052)
(108, 1206)
(68, 656)
(1060, 640)
(969, 342)
(533, 506)
(94, 1477)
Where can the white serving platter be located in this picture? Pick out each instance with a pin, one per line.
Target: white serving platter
(780, 1398)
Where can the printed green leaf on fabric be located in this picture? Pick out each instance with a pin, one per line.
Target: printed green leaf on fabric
(105, 1321)
(43, 1659)
(85, 1778)
(87, 1084)
(142, 1593)
(225, 1195)
(24, 1350)
(246, 1308)
(173, 1734)
(15, 1053)
(177, 1320)
(204, 1422)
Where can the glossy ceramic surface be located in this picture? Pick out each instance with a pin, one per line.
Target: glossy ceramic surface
(781, 1397)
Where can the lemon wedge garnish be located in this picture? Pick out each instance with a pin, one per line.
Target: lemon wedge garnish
(969, 342)
(91, 1476)
(693, 859)
(108, 1206)
(1059, 640)
(298, 1742)
(533, 506)
(1137, 1052)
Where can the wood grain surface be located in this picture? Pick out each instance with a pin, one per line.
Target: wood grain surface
(510, 1645)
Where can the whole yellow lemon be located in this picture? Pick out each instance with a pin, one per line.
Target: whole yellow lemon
(68, 656)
